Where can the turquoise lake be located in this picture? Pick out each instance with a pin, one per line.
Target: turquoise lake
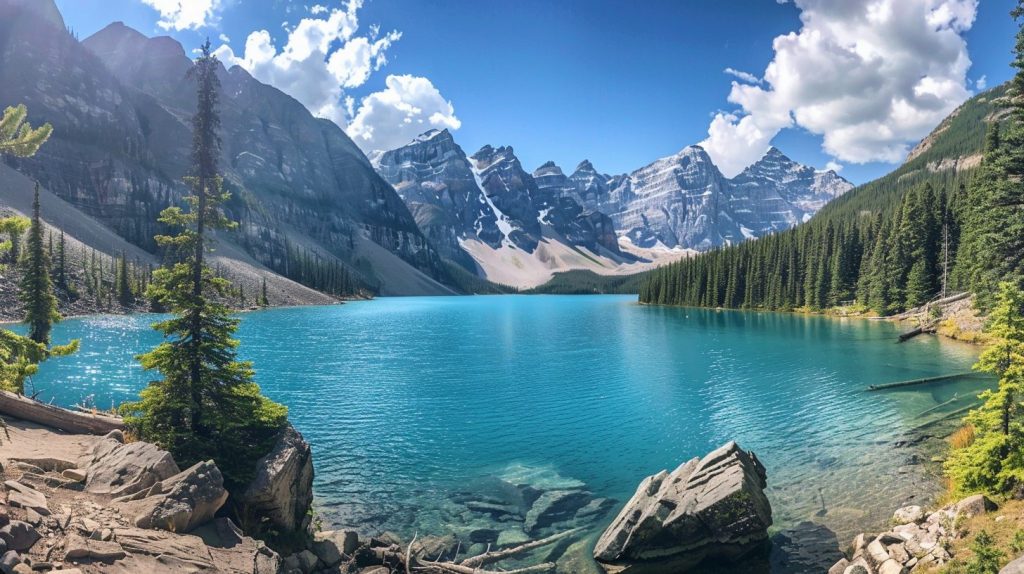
(409, 400)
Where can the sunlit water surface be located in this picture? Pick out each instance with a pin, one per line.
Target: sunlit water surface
(408, 400)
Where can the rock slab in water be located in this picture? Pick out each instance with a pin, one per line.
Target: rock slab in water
(713, 507)
(282, 491)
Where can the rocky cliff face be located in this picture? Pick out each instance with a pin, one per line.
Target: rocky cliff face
(677, 201)
(684, 201)
(120, 106)
(776, 193)
(490, 198)
(435, 179)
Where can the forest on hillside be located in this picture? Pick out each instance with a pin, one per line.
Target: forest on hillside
(943, 222)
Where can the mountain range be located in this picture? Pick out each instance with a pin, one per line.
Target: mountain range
(488, 214)
(426, 218)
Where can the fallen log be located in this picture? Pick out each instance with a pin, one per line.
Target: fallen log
(24, 408)
(923, 381)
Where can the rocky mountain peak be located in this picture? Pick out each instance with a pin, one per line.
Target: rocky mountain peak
(548, 169)
(585, 166)
(433, 134)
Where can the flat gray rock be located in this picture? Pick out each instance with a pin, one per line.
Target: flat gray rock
(710, 507)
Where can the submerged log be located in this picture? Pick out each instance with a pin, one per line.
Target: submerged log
(923, 381)
(20, 407)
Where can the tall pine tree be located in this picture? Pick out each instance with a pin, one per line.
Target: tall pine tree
(206, 404)
(37, 296)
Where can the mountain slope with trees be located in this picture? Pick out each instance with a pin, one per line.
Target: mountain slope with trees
(303, 193)
(888, 245)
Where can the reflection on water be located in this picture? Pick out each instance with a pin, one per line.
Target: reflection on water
(411, 402)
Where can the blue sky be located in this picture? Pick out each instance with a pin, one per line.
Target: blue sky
(620, 83)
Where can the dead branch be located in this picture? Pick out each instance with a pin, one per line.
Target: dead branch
(498, 555)
(408, 553)
(463, 569)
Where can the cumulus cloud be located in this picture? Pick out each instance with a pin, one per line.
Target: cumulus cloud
(744, 76)
(391, 118)
(834, 166)
(186, 14)
(322, 57)
(869, 76)
(981, 83)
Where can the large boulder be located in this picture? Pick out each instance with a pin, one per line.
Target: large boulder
(713, 507)
(180, 503)
(118, 469)
(282, 491)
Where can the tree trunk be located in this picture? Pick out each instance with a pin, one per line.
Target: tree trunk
(17, 406)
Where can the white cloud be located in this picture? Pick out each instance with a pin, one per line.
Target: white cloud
(225, 38)
(744, 76)
(981, 83)
(834, 166)
(186, 14)
(869, 76)
(393, 117)
(322, 57)
(316, 9)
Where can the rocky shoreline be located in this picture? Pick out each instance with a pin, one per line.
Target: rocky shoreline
(917, 541)
(80, 504)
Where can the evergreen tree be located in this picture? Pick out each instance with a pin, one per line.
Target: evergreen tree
(263, 294)
(37, 296)
(123, 285)
(20, 356)
(994, 226)
(994, 462)
(206, 404)
(62, 265)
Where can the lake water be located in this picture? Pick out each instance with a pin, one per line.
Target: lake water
(412, 403)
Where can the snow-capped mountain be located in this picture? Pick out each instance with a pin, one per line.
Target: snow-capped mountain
(677, 201)
(488, 214)
(683, 200)
(484, 209)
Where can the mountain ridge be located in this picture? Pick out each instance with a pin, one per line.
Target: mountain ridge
(673, 204)
(121, 107)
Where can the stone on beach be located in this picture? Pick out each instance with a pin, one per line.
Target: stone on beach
(78, 548)
(182, 502)
(118, 469)
(22, 496)
(19, 536)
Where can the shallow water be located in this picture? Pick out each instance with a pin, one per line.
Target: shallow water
(407, 401)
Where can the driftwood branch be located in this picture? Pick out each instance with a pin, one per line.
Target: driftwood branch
(463, 569)
(408, 553)
(498, 555)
